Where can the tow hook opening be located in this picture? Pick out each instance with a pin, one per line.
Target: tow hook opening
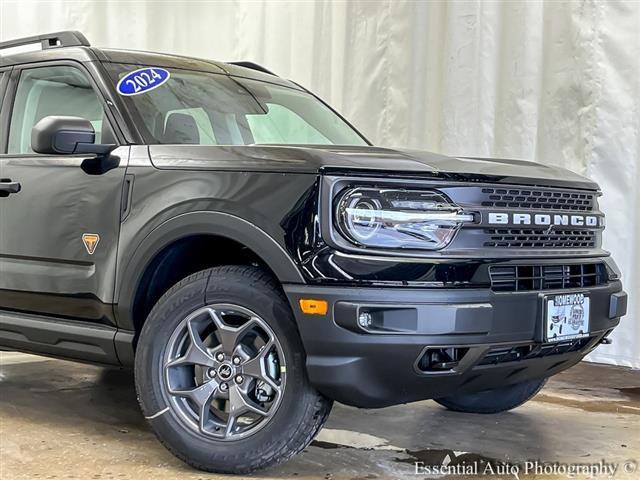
(441, 359)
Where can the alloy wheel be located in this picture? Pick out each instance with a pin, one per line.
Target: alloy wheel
(224, 371)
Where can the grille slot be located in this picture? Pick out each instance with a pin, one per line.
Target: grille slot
(516, 278)
(538, 199)
(536, 238)
(525, 352)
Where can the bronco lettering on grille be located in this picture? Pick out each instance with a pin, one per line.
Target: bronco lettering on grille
(543, 219)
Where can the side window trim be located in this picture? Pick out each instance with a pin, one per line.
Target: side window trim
(5, 102)
(6, 111)
(3, 83)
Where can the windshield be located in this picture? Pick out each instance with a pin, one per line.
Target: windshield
(201, 108)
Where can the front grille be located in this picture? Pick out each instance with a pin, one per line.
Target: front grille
(536, 238)
(516, 278)
(526, 352)
(538, 199)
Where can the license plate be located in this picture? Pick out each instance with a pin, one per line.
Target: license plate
(567, 317)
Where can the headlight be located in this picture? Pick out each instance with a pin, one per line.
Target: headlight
(394, 218)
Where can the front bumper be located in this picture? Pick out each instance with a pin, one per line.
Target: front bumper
(498, 337)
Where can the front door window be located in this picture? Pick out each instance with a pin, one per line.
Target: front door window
(59, 90)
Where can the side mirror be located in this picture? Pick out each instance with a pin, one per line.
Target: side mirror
(60, 135)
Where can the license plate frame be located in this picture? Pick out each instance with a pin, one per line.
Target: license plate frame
(566, 316)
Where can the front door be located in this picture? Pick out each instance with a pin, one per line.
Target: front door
(59, 232)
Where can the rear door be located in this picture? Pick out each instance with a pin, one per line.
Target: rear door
(59, 233)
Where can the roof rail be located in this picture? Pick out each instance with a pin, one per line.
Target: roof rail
(253, 66)
(51, 40)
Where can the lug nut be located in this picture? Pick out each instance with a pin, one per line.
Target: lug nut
(224, 387)
(236, 360)
(220, 356)
(212, 372)
(239, 379)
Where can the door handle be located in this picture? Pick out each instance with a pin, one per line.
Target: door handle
(7, 187)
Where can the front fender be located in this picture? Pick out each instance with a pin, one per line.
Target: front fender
(198, 223)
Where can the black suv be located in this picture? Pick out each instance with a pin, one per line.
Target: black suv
(254, 257)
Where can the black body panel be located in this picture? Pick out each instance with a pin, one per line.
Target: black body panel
(166, 206)
(276, 201)
(364, 160)
(380, 369)
(46, 267)
(58, 338)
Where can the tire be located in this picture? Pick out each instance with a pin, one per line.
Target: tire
(493, 401)
(184, 401)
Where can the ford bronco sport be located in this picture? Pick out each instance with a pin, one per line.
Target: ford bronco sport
(254, 258)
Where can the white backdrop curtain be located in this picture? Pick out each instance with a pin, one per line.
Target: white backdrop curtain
(558, 82)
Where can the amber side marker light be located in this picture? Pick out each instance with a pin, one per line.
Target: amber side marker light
(313, 307)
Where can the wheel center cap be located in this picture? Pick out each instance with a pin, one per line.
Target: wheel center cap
(225, 372)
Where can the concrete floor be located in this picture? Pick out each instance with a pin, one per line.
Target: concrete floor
(63, 420)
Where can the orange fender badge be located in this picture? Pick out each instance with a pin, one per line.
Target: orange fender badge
(90, 241)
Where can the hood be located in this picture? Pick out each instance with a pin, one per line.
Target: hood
(362, 160)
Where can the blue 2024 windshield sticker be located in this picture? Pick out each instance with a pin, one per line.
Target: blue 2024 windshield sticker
(142, 80)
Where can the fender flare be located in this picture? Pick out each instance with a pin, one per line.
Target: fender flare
(199, 223)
